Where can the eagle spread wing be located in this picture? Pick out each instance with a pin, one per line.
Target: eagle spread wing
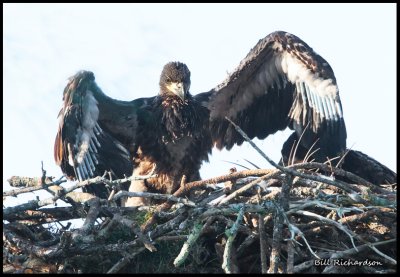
(281, 83)
(94, 133)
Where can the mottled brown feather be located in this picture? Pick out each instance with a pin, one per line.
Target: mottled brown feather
(262, 98)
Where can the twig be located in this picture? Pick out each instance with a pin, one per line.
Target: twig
(228, 223)
(161, 196)
(128, 258)
(233, 208)
(390, 259)
(44, 215)
(133, 226)
(30, 184)
(171, 238)
(244, 135)
(248, 186)
(290, 258)
(343, 173)
(31, 205)
(168, 226)
(296, 231)
(91, 217)
(332, 222)
(78, 197)
(274, 259)
(362, 216)
(102, 179)
(109, 227)
(231, 234)
(159, 209)
(221, 179)
(192, 238)
(278, 225)
(353, 251)
(263, 244)
(124, 261)
(321, 204)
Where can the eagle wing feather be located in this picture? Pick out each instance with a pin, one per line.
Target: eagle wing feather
(281, 83)
(95, 132)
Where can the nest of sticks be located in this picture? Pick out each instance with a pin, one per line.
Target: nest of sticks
(302, 218)
(294, 219)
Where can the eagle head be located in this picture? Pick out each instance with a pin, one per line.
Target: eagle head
(175, 80)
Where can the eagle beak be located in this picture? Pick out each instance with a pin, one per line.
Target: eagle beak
(177, 89)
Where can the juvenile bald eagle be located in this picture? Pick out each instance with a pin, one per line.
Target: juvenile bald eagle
(281, 83)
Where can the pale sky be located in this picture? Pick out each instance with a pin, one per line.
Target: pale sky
(126, 46)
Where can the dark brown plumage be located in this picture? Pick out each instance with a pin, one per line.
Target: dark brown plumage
(281, 83)
(179, 142)
(164, 133)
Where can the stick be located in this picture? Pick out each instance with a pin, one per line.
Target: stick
(231, 234)
(194, 235)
